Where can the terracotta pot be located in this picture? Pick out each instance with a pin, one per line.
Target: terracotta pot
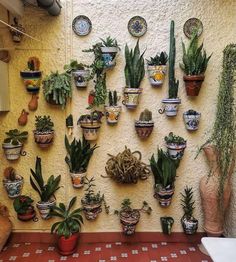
(91, 211)
(78, 179)
(157, 75)
(23, 119)
(166, 224)
(193, 84)
(80, 78)
(144, 128)
(45, 207)
(129, 220)
(164, 195)
(12, 152)
(32, 80)
(29, 215)
(209, 188)
(13, 188)
(109, 56)
(43, 139)
(131, 97)
(190, 226)
(90, 129)
(33, 104)
(171, 106)
(112, 114)
(67, 246)
(176, 151)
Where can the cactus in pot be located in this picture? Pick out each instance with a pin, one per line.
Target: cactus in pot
(112, 109)
(145, 124)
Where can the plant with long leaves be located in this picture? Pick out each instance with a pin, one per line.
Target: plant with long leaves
(158, 59)
(45, 190)
(187, 202)
(15, 137)
(71, 221)
(109, 42)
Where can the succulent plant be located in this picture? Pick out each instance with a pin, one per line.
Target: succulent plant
(73, 66)
(159, 59)
(10, 174)
(15, 137)
(33, 64)
(22, 204)
(171, 138)
(112, 96)
(187, 202)
(126, 207)
(94, 116)
(109, 42)
(43, 124)
(146, 115)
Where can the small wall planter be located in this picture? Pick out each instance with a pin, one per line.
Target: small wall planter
(24, 208)
(77, 179)
(175, 146)
(91, 211)
(193, 84)
(145, 124)
(109, 56)
(90, 129)
(164, 195)
(170, 106)
(157, 75)
(131, 97)
(129, 220)
(45, 207)
(166, 224)
(43, 139)
(189, 226)
(13, 152)
(81, 78)
(112, 114)
(191, 120)
(29, 215)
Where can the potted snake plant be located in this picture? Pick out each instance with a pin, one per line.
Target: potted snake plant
(24, 208)
(134, 73)
(145, 124)
(112, 109)
(175, 145)
(46, 190)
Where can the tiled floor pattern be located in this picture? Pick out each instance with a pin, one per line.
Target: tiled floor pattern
(102, 252)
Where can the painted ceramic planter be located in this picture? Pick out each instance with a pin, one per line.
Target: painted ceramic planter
(13, 188)
(170, 106)
(164, 195)
(191, 121)
(157, 75)
(67, 246)
(13, 152)
(131, 97)
(77, 179)
(190, 226)
(129, 220)
(32, 80)
(109, 56)
(176, 151)
(45, 207)
(193, 84)
(43, 139)
(91, 211)
(29, 215)
(166, 224)
(144, 128)
(112, 114)
(90, 129)
(81, 78)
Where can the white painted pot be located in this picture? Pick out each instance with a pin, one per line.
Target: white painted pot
(157, 75)
(45, 207)
(109, 56)
(81, 78)
(176, 151)
(131, 97)
(112, 114)
(191, 121)
(12, 152)
(13, 188)
(90, 129)
(171, 106)
(77, 179)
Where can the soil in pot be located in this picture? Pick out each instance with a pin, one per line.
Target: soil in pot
(67, 246)
(193, 84)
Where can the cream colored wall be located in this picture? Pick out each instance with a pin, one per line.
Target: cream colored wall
(111, 18)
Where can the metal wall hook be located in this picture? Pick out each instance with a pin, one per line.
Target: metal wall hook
(23, 153)
(161, 111)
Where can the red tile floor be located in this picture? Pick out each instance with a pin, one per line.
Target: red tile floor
(102, 252)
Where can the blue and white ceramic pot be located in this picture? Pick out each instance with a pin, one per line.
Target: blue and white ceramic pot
(176, 151)
(190, 226)
(81, 78)
(45, 207)
(109, 56)
(129, 220)
(191, 121)
(171, 106)
(13, 188)
(164, 195)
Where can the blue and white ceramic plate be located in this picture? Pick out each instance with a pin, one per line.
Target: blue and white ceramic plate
(81, 25)
(137, 26)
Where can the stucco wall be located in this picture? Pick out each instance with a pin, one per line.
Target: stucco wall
(111, 18)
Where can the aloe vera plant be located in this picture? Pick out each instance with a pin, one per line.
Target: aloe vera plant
(134, 67)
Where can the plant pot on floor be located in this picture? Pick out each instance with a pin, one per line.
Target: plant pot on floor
(13, 188)
(190, 226)
(77, 179)
(164, 195)
(166, 224)
(43, 139)
(193, 84)
(144, 128)
(170, 106)
(112, 114)
(81, 78)
(109, 56)
(91, 211)
(176, 151)
(131, 97)
(32, 80)
(157, 75)
(45, 207)
(67, 246)
(129, 220)
(90, 129)
(13, 152)
(191, 120)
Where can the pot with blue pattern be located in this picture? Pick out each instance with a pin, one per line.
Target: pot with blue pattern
(13, 188)
(191, 120)
(171, 106)
(32, 80)
(109, 55)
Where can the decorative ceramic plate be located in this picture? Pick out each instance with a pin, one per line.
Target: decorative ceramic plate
(81, 25)
(137, 26)
(191, 25)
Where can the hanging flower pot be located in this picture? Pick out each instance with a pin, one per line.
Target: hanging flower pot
(24, 208)
(193, 84)
(190, 226)
(166, 224)
(170, 106)
(109, 55)
(131, 97)
(129, 220)
(45, 207)
(145, 124)
(78, 179)
(91, 211)
(81, 78)
(191, 120)
(175, 146)
(13, 188)
(12, 152)
(112, 114)
(164, 195)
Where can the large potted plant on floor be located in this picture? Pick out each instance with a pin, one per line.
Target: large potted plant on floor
(43, 133)
(194, 65)
(171, 103)
(68, 228)
(24, 208)
(78, 156)
(145, 124)
(112, 109)
(13, 144)
(164, 172)
(134, 74)
(92, 202)
(157, 69)
(129, 217)
(175, 145)
(46, 190)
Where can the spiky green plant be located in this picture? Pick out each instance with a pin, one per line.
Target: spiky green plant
(195, 59)
(43, 123)
(187, 202)
(109, 42)
(159, 59)
(112, 96)
(134, 67)
(15, 137)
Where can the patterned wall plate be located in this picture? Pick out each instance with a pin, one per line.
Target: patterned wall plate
(81, 25)
(191, 25)
(137, 26)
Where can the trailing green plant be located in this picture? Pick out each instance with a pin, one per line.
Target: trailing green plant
(33, 64)
(91, 197)
(126, 207)
(195, 59)
(15, 137)
(146, 115)
(134, 67)
(173, 139)
(57, 88)
(187, 202)
(73, 66)
(71, 221)
(79, 154)
(10, 174)
(43, 124)
(173, 83)
(112, 96)
(22, 204)
(109, 42)
(158, 59)
(45, 190)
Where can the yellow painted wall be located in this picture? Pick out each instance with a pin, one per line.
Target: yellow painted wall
(59, 44)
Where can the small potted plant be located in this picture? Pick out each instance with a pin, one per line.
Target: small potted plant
(171, 103)
(46, 190)
(157, 69)
(164, 172)
(145, 124)
(112, 109)
(68, 227)
(16, 35)
(57, 88)
(109, 50)
(78, 156)
(175, 145)
(79, 73)
(13, 144)
(90, 124)
(32, 75)
(12, 182)
(189, 223)
(24, 208)
(129, 217)
(195, 61)
(191, 119)
(134, 73)
(43, 133)
(166, 224)
(92, 202)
